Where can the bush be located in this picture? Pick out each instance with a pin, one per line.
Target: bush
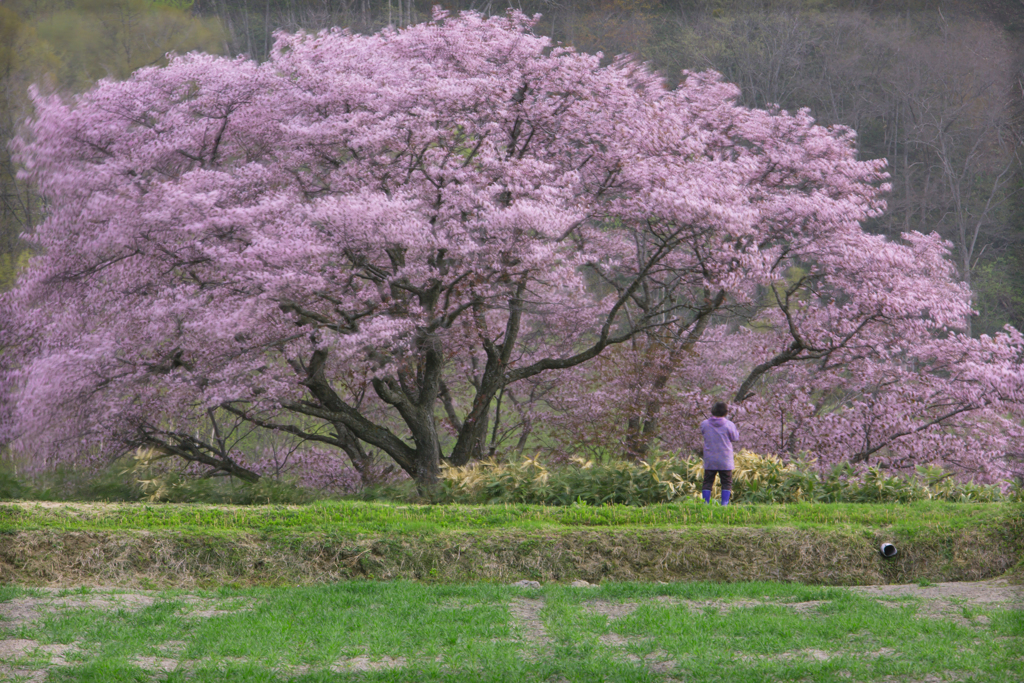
(10, 486)
(659, 480)
(662, 479)
(139, 477)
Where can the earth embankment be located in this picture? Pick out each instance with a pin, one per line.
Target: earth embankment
(110, 546)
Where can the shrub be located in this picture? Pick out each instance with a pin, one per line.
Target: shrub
(661, 479)
(658, 480)
(10, 486)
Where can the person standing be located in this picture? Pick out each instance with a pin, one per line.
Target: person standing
(719, 433)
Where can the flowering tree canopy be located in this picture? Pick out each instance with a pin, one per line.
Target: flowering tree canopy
(362, 241)
(853, 356)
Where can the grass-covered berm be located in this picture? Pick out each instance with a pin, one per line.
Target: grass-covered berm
(191, 545)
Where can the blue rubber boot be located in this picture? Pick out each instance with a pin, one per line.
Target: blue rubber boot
(706, 495)
(725, 497)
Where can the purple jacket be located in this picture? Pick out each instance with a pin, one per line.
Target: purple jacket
(719, 433)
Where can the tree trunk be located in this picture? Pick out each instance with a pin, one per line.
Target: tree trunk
(643, 428)
(428, 450)
(356, 453)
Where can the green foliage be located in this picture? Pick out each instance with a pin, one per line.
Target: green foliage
(173, 487)
(1016, 492)
(148, 478)
(180, 5)
(768, 483)
(662, 479)
(138, 479)
(372, 518)
(403, 491)
(11, 486)
(659, 480)
(999, 293)
(10, 266)
(111, 38)
(756, 479)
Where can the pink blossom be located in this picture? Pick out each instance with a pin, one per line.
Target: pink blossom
(364, 241)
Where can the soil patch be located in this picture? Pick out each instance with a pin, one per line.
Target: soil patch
(367, 664)
(613, 640)
(8, 673)
(20, 647)
(16, 647)
(22, 611)
(156, 663)
(617, 610)
(612, 610)
(28, 611)
(526, 614)
(947, 600)
(997, 592)
(805, 607)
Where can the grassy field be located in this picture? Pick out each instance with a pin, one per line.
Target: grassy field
(137, 592)
(354, 517)
(411, 631)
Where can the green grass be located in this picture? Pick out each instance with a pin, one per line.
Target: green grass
(353, 517)
(407, 631)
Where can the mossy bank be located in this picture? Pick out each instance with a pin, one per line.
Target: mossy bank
(160, 546)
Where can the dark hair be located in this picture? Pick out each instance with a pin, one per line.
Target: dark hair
(719, 409)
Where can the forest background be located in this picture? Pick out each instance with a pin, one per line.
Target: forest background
(933, 86)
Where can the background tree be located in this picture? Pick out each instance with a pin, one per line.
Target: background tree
(66, 46)
(855, 353)
(935, 94)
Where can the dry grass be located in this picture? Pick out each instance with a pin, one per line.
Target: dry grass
(144, 559)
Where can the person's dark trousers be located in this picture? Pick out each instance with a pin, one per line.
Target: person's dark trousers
(724, 478)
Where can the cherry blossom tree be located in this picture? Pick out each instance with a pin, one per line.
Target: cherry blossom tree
(366, 240)
(855, 355)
